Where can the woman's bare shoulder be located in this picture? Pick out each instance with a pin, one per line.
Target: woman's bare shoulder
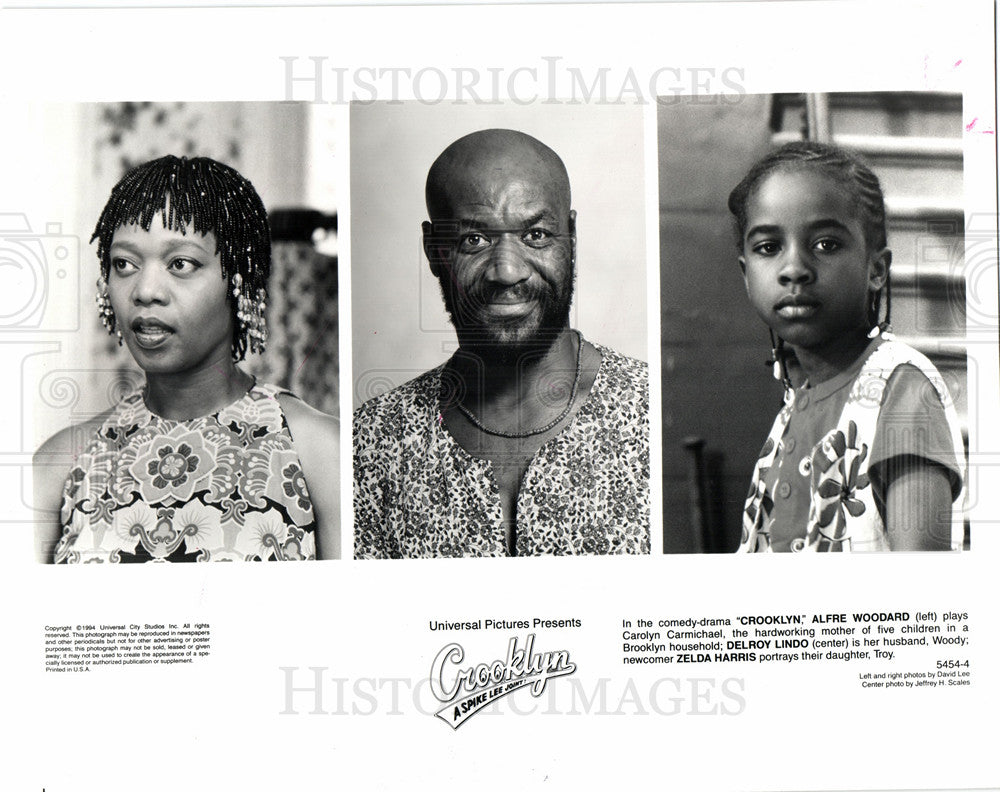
(307, 419)
(71, 441)
(296, 409)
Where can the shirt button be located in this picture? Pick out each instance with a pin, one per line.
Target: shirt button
(802, 402)
(805, 466)
(784, 489)
(798, 544)
(790, 445)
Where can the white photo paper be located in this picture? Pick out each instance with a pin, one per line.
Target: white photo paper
(681, 664)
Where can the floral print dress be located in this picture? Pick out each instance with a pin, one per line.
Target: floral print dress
(224, 487)
(843, 515)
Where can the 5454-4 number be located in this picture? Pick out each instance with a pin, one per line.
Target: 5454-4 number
(953, 664)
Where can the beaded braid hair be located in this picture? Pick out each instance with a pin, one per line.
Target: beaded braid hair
(842, 166)
(209, 197)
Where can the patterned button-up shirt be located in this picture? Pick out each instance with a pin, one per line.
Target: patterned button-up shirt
(419, 494)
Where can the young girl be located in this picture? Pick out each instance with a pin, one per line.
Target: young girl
(866, 454)
(203, 463)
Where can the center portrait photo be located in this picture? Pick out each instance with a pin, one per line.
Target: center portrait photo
(499, 314)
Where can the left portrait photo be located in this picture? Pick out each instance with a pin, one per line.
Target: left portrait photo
(187, 409)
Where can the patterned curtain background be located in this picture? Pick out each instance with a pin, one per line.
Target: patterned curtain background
(301, 352)
(267, 144)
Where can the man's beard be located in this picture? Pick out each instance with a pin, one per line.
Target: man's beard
(508, 342)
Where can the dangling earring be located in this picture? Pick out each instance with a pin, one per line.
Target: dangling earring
(250, 313)
(105, 310)
(873, 313)
(883, 327)
(777, 361)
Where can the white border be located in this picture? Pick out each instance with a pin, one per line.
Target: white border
(218, 724)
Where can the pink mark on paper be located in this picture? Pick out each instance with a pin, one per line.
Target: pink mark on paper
(936, 80)
(969, 127)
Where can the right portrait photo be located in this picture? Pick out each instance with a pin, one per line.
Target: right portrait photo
(813, 323)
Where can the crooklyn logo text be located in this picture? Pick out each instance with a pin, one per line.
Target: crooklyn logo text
(468, 689)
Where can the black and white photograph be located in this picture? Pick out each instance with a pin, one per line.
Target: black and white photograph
(499, 290)
(202, 424)
(873, 181)
(622, 318)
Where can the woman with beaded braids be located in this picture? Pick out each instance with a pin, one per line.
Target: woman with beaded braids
(866, 453)
(202, 463)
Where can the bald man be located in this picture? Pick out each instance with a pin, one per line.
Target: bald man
(530, 440)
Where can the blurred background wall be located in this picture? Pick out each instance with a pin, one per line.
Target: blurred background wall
(719, 397)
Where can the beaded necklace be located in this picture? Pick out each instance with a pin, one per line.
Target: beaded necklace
(541, 429)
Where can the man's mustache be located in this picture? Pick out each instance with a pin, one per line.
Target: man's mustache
(519, 292)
